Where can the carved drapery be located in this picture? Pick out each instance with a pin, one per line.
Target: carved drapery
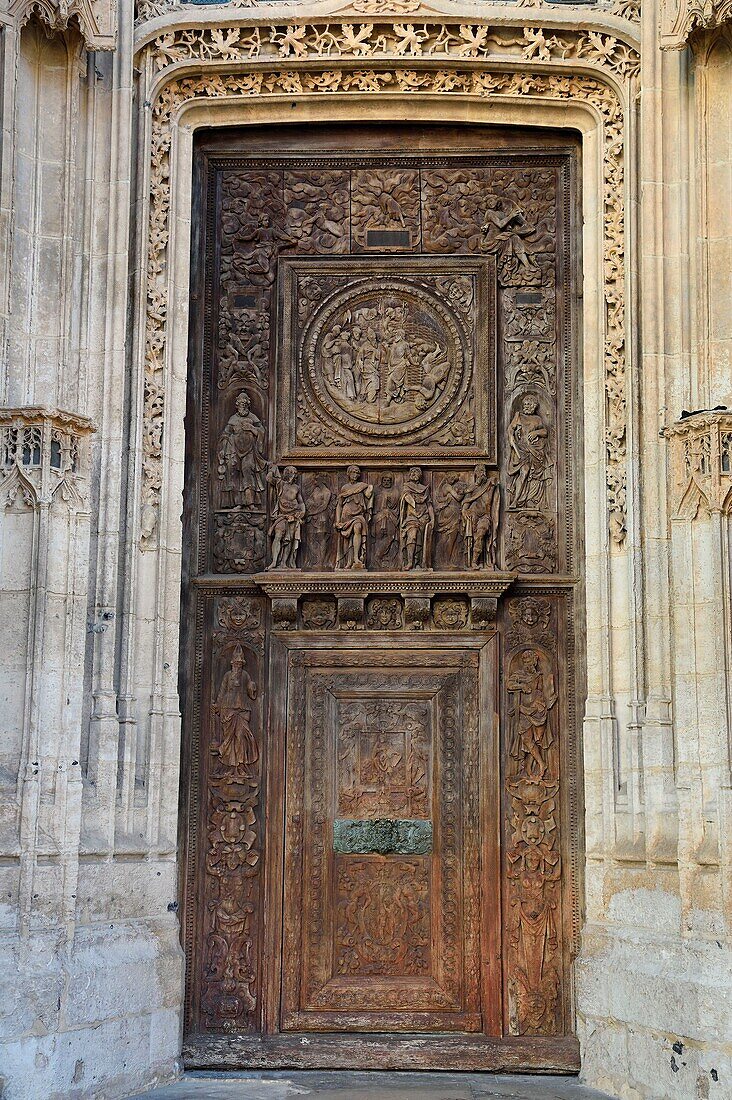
(442, 46)
(96, 19)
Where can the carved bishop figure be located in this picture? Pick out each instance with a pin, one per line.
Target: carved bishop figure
(416, 522)
(241, 464)
(353, 515)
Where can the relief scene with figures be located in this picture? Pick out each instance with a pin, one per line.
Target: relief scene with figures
(381, 594)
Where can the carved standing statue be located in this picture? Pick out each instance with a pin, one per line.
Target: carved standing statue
(353, 515)
(241, 466)
(237, 746)
(529, 464)
(386, 522)
(480, 511)
(533, 697)
(288, 513)
(416, 522)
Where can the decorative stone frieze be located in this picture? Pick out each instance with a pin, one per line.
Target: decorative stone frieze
(681, 18)
(701, 463)
(42, 452)
(96, 19)
(408, 59)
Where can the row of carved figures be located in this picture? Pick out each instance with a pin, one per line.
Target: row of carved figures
(354, 513)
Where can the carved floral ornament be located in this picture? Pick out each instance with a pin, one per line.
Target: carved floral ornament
(476, 61)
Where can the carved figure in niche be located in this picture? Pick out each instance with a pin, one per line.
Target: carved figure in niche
(319, 523)
(529, 464)
(416, 522)
(288, 513)
(241, 466)
(533, 697)
(448, 508)
(480, 512)
(237, 745)
(386, 522)
(353, 515)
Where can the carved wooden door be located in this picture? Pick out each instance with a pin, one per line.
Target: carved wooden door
(379, 595)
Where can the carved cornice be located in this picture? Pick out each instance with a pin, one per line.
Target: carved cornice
(701, 462)
(584, 67)
(680, 19)
(358, 584)
(96, 19)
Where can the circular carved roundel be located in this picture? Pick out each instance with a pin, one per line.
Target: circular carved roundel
(384, 358)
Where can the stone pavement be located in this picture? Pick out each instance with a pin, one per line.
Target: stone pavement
(333, 1085)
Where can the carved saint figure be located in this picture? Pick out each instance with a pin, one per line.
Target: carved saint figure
(416, 522)
(288, 513)
(533, 697)
(448, 506)
(241, 466)
(353, 514)
(398, 364)
(480, 510)
(386, 521)
(529, 465)
(504, 231)
(367, 361)
(237, 745)
(319, 522)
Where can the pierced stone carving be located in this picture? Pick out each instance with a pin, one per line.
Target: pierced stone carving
(480, 512)
(288, 514)
(701, 453)
(43, 452)
(353, 515)
(416, 522)
(680, 19)
(96, 19)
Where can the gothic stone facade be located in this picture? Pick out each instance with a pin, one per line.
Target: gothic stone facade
(431, 403)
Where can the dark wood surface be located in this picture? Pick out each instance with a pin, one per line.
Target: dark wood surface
(382, 539)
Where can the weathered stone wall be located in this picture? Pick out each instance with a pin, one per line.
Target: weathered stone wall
(95, 186)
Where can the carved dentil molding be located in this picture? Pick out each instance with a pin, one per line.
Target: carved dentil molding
(477, 61)
(42, 453)
(681, 18)
(701, 463)
(96, 19)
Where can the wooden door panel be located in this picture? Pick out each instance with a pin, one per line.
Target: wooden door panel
(385, 936)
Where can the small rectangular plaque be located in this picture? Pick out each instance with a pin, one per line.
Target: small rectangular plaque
(382, 836)
(388, 238)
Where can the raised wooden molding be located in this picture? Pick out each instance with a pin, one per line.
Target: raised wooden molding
(95, 19)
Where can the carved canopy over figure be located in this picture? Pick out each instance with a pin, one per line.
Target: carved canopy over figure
(416, 522)
(241, 465)
(480, 511)
(529, 464)
(533, 697)
(288, 513)
(237, 744)
(353, 514)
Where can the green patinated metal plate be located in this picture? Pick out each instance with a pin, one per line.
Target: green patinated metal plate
(382, 836)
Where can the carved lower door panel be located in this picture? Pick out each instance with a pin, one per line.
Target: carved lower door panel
(383, 858)
(381, 559)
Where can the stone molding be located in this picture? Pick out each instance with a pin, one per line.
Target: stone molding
(680, 19)
(588, 68)
(41, 453)
(96, 19)
(701, 463)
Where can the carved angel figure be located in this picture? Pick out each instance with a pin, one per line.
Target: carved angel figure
(237, 744)
(480, 511)
(416, 522)
(241, 466)
(529, 464)
(288, 513)
(353, 515)
(504, 231)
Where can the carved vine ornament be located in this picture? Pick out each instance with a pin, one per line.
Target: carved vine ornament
(459, 65)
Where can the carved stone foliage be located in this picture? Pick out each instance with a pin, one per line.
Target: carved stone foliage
(532, 824)
(230, 993)
(43, 456)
